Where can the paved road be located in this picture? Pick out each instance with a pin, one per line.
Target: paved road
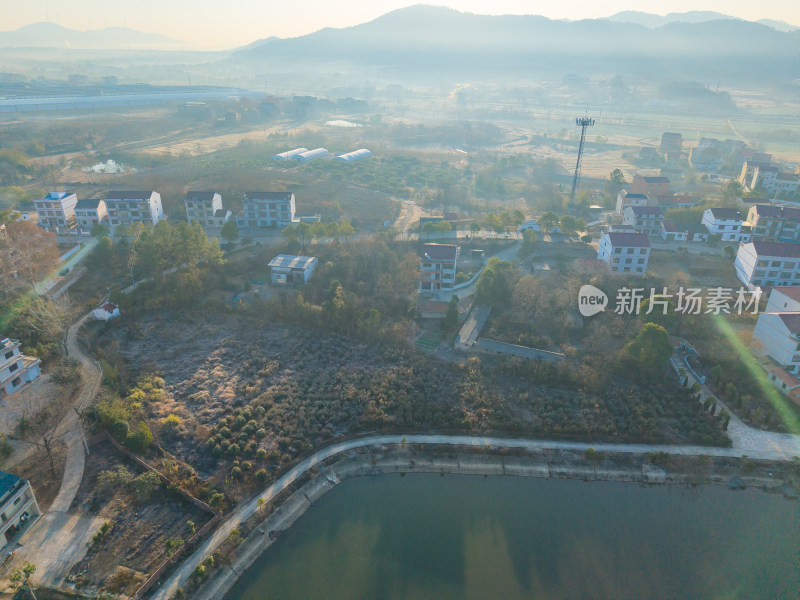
(57, 540)
(242, 513)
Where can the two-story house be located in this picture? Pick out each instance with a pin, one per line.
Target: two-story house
(18, 506)
(290, 269)
(625, 252)
(643, 219)
(90, 212)
(266, 209)
(125, 208)
(206, 208)
(16, 369)
(626, 199)
(778, 336)
(437, 267)
(56, 211)
(768, 264)
(651, 187)
(728, 223)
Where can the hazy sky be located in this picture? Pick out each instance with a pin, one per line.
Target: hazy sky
(228, 23)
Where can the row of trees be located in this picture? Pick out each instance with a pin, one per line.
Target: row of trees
(304, 233)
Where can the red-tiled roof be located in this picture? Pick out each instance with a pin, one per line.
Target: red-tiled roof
(726, 214)
(645, 210)
(108, 307)
(669, 226)
(785, 377)
(628, 240)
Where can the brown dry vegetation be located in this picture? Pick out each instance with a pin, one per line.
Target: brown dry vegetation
(135, 545)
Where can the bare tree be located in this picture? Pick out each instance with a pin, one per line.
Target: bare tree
(27, 253)
(49, 318)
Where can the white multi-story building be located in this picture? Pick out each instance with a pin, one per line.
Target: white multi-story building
(56, 211)
(643, 219)
(16, 369)
(266, 209)
(206, 208)
(626, 199)
(728, 223)
(437, 267)
(778, 336)
(18, 506)
(90, 212)
(126, 208)
(783, 299)
(780, 223)
(625, 252)
(768, 264)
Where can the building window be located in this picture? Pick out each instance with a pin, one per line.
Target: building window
(13, 367)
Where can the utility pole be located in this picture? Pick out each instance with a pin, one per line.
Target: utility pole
(583, 123)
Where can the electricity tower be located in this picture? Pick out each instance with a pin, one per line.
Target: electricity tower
(583, 123)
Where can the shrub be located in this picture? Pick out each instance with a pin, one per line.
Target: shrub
(199, 571)
(140, 439)
(217, 501)
(114, 479)
(5, 447)
(261, 454)
(236, 473)
(119, 430)
(261, 475)
(172, 421)
(145, 484)
(261, 433)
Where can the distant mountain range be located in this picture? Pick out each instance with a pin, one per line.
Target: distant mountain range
(51, 35)
(427, 38)
(695, 16)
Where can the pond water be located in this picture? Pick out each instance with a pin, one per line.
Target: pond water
(427, 536)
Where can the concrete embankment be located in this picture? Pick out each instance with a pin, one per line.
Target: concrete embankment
(405, 460)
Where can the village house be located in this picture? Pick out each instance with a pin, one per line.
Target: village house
(90, 212)
(670, 232)
(106, 311)
(626, 199)
(652, 187)
(288, 269)
(786, 383)
(777, 335)
(671, 144)
(18, 506)
(625, 252)
(56, 211)
(778, 223)
(206, 209)
(126, 208)
(438, 267)
(266, 209)
(643, 219)
(728, 223)
(783, 299)
(769, 177)
(768, 264)
(16, 369)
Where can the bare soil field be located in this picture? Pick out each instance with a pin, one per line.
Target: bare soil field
(135, 544)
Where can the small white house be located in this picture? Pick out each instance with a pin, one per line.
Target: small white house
(626, 199)
(779, 337)
(106, 311)
(288, 269)
(532, 225)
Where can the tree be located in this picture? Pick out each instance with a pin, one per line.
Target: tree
(444, 227)
(496, 283)
(99, 231)
(567, 224)
(648, 351)
(451, 318)
(615, 183)
(733, 190)
(20, 579)
(230, 232)
(548, 221)
(729, 252)
(27, 254)
(47, 319)
(290, 233)
(346, 230)
(428, 228)
(303, 230)
(474, 228)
